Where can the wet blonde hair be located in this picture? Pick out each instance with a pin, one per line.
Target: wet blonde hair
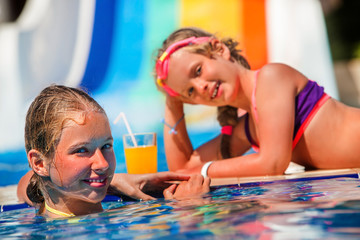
(45, 119)
(227, 115)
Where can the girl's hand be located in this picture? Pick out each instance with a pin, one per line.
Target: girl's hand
(139, 186)
(194, 187)
(174, 103)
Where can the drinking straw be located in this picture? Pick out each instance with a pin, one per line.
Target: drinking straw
(122, 115)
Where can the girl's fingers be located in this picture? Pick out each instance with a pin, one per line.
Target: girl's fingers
(169, 192)
(143, 196)
(198, 180)
(206, 184)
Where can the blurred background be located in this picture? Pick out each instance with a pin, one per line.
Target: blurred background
(108, 48)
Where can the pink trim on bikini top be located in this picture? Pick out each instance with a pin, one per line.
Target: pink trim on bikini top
(253, 99)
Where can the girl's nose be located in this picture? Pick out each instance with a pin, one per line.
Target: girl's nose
(100, 164)
(201, 86)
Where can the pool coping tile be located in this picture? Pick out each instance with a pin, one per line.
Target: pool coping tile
(306, 174)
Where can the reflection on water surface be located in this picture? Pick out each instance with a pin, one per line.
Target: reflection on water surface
(328, 208)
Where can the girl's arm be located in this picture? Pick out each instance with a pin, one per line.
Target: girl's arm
(22, 186)
(278, 86)
(144, 186)
(178, 148)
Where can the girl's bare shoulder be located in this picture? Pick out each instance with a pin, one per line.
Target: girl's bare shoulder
(281, 73)
(272, 69)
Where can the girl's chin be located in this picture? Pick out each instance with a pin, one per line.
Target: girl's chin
(92, 195)
(94, 198)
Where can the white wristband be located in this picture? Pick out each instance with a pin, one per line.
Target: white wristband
(205, 168)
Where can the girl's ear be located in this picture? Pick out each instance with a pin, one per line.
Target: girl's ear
(221, 49)
(38, 163)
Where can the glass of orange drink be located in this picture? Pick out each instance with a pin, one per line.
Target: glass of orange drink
(140, 153)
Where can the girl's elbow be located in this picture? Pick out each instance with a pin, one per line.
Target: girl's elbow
(175, 166)
(276, 165)
(281, 165)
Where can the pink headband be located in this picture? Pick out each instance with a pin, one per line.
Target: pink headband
(162, 64)
(227, 130)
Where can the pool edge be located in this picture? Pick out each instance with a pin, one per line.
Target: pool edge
(350, 172)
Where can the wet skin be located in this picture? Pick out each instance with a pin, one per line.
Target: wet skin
(83, 165)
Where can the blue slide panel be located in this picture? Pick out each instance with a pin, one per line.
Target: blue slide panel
(101, 43)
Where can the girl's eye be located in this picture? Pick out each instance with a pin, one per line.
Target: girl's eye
(190, 91)
(198, 71)
(81, 150)
(107, 146)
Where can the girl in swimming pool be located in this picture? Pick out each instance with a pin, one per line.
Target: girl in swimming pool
(288, 117)
(69, 147)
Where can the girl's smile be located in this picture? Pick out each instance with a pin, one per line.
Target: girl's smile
(84, 161)
(216, 91)
(96, 182)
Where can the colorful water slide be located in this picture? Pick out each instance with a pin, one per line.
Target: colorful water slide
(108, 48)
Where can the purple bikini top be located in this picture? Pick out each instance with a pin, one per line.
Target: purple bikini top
(307, 102)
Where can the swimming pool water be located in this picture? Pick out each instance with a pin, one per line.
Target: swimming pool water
(306, 209)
